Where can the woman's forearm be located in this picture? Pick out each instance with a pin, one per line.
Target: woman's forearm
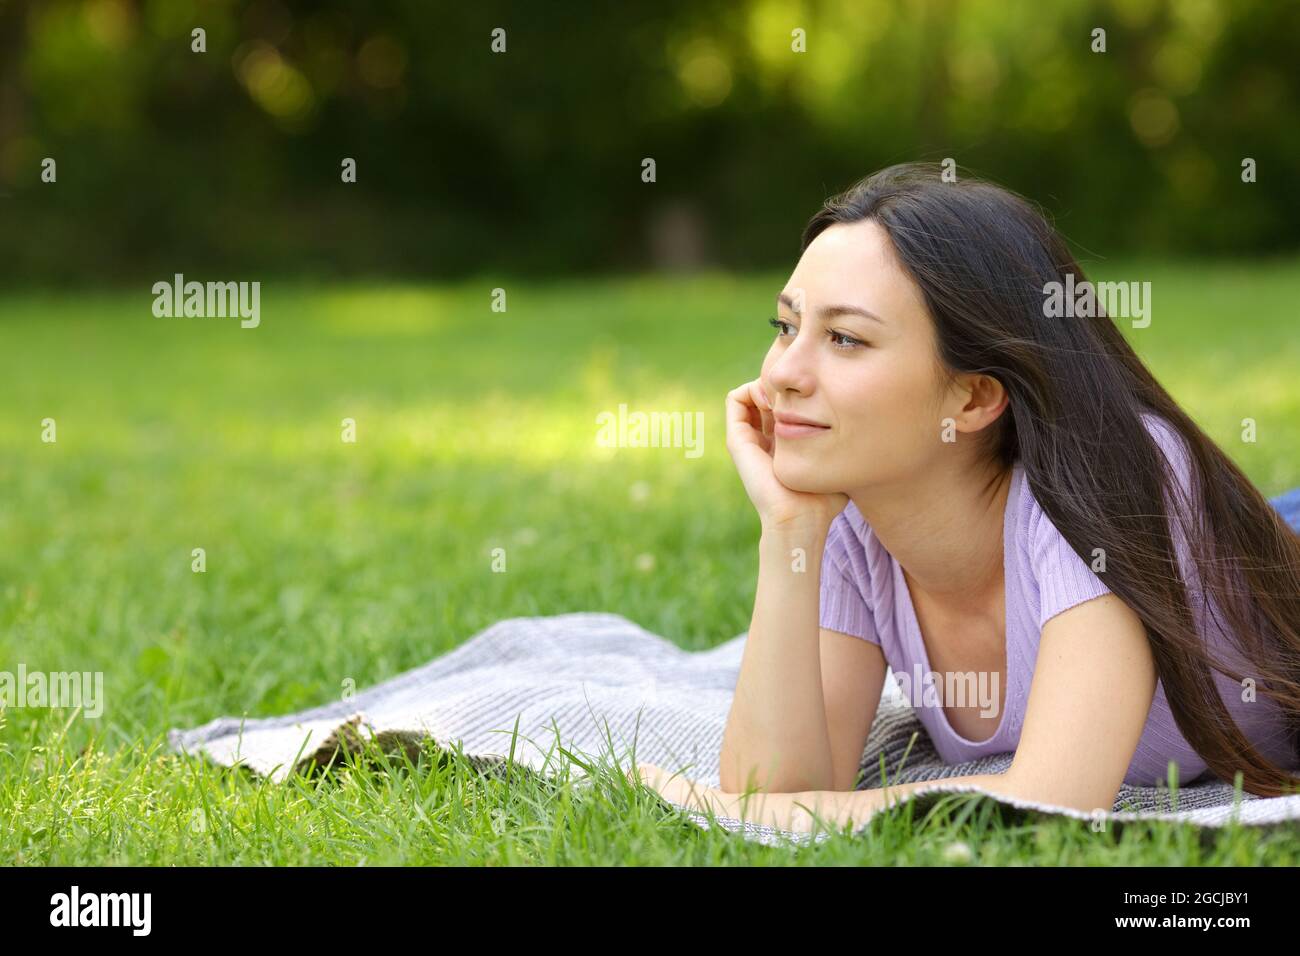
(776, 730)
(835, 808)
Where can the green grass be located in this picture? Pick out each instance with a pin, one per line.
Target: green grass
(328, 561)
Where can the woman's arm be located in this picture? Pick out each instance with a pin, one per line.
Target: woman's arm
(1091, 693)
(776, 738)
(776, 735)
(794, 811)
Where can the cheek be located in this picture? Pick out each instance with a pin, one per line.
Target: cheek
(892, 404)
(910, 386)
(883, 391)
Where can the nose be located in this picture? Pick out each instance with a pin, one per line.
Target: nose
(793, 370)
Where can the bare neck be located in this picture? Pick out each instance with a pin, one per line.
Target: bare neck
(945, 529)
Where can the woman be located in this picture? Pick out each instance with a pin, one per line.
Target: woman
(955, 478)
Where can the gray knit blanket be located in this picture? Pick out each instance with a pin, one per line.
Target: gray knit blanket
(612, 694)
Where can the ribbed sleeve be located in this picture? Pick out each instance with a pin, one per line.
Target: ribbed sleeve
(844, 584)
(1182, 504)
(1064, 579)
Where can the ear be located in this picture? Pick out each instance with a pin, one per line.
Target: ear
(979, 400)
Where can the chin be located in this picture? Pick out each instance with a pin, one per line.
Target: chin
(799, 475)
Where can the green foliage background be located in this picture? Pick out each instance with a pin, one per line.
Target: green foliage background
(530, 160)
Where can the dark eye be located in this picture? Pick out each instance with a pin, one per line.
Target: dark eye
(849, 342)
(777, 324)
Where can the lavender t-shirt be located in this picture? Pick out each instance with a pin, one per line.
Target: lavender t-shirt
(863, 593)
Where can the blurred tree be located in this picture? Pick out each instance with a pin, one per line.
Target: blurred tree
(530, 159)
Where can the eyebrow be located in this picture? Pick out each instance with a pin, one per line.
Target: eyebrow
(831, 311)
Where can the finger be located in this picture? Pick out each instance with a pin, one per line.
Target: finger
(753, 399)
(743, 416)
(741, 398)
(767, 420)
(704, 798)
(680, 790)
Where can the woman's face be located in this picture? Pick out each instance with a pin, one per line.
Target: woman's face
(884, 400)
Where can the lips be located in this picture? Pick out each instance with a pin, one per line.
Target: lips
(796, 426)
(788, 419)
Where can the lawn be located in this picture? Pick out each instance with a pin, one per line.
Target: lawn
(329, 560)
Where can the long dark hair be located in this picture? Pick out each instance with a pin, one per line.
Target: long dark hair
(983, 257)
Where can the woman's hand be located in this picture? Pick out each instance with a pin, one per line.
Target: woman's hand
(676, 788)
(750, 441)
(783, 810)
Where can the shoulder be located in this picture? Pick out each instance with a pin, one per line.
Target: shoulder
(854, 554)
(1177, 456)
(1167, 437)
(848, 527)
(1068, 573)
(847, 542)
(853, 574)
(1037, 529)
(1063, 576)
